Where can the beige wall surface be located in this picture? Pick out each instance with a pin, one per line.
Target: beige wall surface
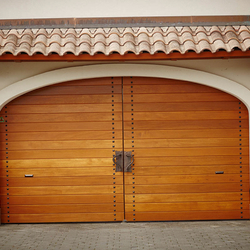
(233, 69)
(25, 9)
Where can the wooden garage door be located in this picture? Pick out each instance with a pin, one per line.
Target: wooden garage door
(189, 143)
(182, 134)
(63, 136)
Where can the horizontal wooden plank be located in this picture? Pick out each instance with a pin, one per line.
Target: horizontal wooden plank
(215, 178)
(189, 142)
(70, 99)
(187, 188)
(63, 190)
(65, 208)
(212, 99)
(80, 90)
(188, 215)
(15, 171)
(93, 82)
(63, 108)
(188, 206)
(202, 151)
(67, 217)
(66, 117)
(187, 115)
(191, 161)
(179, 107)
(69, 135)
(188, 155)
(192, 142)
(103, 135)
(92, 151)
(58, 163)
(186, 134)
(18, 179)
(153, 80)
(57, 154)
(46, 145)
(62, 199)
(187, 197)
(67, 126)
(200, 170)
(173, 88)
(201, 124)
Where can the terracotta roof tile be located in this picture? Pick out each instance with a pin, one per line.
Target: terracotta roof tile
(123, 40)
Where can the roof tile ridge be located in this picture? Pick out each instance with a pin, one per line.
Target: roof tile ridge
(156, 30)
(193, 28)
(179, 29)
(171, 30)
(244, 28)
(116, 31)
(222, 27)
(229, 28)
(5, 32)
(135, 29)
(70, 31)
(49, 31)
(85, 31)
(63, 30)
(200, 29)
(186, 29)
(13, 32)
(164, 29)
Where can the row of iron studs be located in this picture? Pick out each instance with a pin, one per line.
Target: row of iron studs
(7, 164)
(113, 144)
(133, 146)
(240, 148)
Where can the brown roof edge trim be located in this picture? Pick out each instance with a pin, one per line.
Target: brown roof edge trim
(124, 22)
(126, 57)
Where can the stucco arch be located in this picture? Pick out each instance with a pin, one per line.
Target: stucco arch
(105, 70)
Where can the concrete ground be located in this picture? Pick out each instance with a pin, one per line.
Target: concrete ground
(151, 235)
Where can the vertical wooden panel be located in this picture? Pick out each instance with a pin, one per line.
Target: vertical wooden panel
(181, 134)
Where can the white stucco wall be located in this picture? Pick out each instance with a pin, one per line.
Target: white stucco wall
(233, 69)
(229, 75)
(16, 9)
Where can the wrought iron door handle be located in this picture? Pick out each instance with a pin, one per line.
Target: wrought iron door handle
(119, 161)
(129, 160)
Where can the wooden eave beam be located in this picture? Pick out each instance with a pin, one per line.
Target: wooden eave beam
(126, 57)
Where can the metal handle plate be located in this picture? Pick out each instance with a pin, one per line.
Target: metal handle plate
(128, 161)
(118, 161)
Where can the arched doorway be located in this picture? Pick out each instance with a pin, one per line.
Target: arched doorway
(186, 144)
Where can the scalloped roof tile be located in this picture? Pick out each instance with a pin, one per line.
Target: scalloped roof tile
(124, 40)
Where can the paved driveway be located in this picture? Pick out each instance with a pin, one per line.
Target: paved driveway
(151, 235)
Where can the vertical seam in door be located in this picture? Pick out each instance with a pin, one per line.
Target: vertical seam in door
(123, 150)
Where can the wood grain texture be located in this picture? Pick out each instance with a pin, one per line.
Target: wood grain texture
(180, 106)
(188, 178)
(59, 208)
(66, 135)
(52, 179)
(183, 188)
(187, 197)
(217, 101)
(188, 206)
(62, 135)
(64, 190)
(66, 217)
(190, 143)
(182, 134)
(188, 215)
(63, 199)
